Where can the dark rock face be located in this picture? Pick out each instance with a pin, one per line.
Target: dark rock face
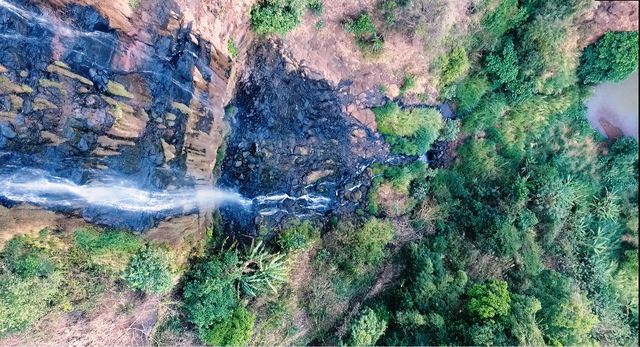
(84, 103)
(292, 149)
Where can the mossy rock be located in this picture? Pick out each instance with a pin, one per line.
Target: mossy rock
(117, 89)
(16, 102)
(181, 107)
(8, 87)
(42, 104)
(67, 73)
(45, 83)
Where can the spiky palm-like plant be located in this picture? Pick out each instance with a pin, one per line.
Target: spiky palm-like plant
(262, 271)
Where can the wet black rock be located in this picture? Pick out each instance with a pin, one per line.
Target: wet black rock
(291, 141)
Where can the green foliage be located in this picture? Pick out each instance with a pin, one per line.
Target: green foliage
(401, 177)
(278, 16)
(503, 67)
(454, 65)
(491, 109)
(317, 7)
(410, 131)
(620, 168)
(479, 159)
(363, 25)
(504, 17)
(408, 84)
(108, 252)
(299, 235)
(489, 299)
(236, 331)
(625, 281)
(450, 131)
(29, 285)
(367, 329)
(150, 271)
(363, 246)
(25, 299)
(565, 317)
(613, 58)
(209, 294)
(524, 326)
(231, 47)
(366, 33)
(469, 92)
(262, 271)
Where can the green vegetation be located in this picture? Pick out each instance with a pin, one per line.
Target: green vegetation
(236, 331)
(150, 271)
(409, 131)
(368, 40)
(117, 89)
(281, 16)
(366, 330)
(613, 58)
(47, 273)
(232, 49)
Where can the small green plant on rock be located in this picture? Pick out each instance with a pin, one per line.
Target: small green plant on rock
(231, 47)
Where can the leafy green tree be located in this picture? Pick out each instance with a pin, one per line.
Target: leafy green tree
(236, 331)
(454, 65)
(367, 329)
(209, 295)
(470, 91)
(410, 131)
(367, 243)
(489, 112)
(489, 299)
(565, 317)
(488, 333)
(625, 281)
(503, 67)
(613, 58)
(297, 236)
(524, 326)
(149, 271)
(24, 300)
(503, 17)
(278, 16)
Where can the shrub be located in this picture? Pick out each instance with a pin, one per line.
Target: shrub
(236, 331)
(363, 25)
(108, 252)
(613, 58)
(503, 67)
(489, 299)
(411, 131)
(470, 91)
(367, 329)
(409, 83)
(479, 159)
(450, 131)
(24, 300)
(29, 285)
(149, 271)
(503, 18)
(487, 114)
(368, 242)
(454, 65)
(209, 294)
(625, 281)
(297, 236)
(317, 7)
(277, 16)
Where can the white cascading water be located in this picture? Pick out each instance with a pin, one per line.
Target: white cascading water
(37, 187)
